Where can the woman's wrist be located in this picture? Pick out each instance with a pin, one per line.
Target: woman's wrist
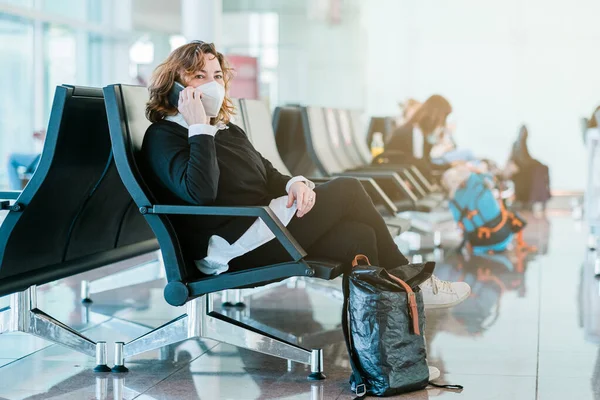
(202, 129)
(299, 178)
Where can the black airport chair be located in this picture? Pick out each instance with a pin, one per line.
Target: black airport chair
(384, 125)
(288, 128)
(358, 135)
(73, 216)
(186, 285)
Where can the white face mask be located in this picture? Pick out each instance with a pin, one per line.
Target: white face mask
(213, 95)
(434, 136)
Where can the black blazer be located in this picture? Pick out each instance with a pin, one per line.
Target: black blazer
(225, 170)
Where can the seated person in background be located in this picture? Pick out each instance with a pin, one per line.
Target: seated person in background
(413, 141)
(445, 151)
(407, 110)
(519, 159)
(530, 176)
(590, 129)
(195, 155)
(442, 148)
(520, 153)
(26, 161)
(593, 121)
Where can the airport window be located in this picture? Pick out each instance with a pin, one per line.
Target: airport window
(62, 42)
(16, 88)
(60, 66)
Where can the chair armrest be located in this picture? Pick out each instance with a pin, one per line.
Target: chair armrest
(373, 189)
(413, 169)
(378, 195)
(370, 174)
(10, 194)
(375, 175)
(329, 179)
(264, 213)
(382, 176)
(318, 181)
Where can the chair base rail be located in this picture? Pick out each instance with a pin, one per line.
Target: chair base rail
(119, 387)
(200, 321)
(148, 271)
(328, 288)
(23, 315)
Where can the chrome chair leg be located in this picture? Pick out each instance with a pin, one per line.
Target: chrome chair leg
(229, 331)
(239, 298)
(225, 299)
(23, 315)
(233, 298)
(85, 292)
(592, 241)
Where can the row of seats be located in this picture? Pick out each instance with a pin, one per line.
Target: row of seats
(327, 142)
(256, 120)
(87, 206)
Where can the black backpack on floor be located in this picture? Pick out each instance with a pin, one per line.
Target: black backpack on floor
(383, 320)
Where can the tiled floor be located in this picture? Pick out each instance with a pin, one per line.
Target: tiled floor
(530, 331)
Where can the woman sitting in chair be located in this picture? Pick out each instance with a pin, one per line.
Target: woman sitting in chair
(194, 154)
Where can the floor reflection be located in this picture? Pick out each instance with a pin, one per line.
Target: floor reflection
(490, 277)
(589, 309)
(530, 330)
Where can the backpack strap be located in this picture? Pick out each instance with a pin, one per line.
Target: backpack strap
(413, 311)
(466, 212)
(482, 231)
(453, 387)
(463, 211)
(463, 214)
(485, 232)
(360, 387)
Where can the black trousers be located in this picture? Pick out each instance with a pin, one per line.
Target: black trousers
(342, 224)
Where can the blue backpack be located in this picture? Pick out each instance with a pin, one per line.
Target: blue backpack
(486, 224)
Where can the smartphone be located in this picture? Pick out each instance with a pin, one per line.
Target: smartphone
(174, 93)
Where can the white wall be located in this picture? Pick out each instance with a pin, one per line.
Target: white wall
(335, 60)
(320, 63)
(499, 63)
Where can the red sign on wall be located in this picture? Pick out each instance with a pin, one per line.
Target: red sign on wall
(245, 83)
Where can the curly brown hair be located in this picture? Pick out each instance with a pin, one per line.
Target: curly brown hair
(185, 60)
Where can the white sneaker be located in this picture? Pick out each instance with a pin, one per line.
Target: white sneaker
(443, 294)
(434, 373)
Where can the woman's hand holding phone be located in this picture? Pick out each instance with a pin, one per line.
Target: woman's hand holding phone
(190, 106)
